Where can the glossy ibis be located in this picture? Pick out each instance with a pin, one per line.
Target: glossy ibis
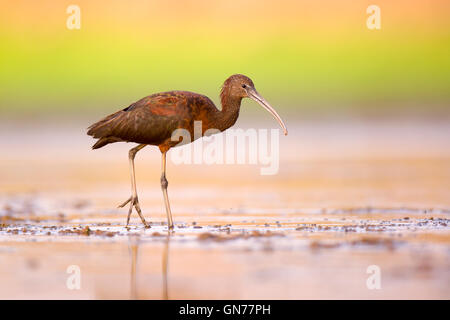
(153, 119)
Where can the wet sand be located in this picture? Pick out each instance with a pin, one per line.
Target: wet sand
(348, 195)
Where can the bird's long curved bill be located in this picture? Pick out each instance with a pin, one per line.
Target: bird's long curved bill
(253, 94)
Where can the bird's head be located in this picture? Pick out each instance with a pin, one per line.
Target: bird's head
(240, 86)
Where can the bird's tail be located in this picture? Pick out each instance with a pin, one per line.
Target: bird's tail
(104, 141)
(102, 131)
(102, 128)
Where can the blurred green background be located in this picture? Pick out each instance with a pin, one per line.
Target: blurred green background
(304, 56)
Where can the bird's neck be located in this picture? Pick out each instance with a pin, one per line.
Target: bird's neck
(227, 117)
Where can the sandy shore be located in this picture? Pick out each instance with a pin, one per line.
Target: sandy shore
(348, 195)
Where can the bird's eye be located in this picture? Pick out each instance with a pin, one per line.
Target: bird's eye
(244, 86)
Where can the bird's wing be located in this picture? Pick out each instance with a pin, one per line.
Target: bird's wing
(150, 120)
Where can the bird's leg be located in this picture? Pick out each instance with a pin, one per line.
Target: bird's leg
(133, 200)
(164, 184)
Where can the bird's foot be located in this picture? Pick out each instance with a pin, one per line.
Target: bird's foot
(134, 202)
(125, 203)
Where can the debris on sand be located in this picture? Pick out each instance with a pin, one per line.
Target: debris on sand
(253, 234)
(157, 234)
(374, 241)
(210, 236)
(9, 218)
(86, 231)
(315, 245)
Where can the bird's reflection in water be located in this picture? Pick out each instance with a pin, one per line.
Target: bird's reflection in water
(133, 248)
(165, 266)
(134, 242)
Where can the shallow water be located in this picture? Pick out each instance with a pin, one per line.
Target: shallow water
(349, 195)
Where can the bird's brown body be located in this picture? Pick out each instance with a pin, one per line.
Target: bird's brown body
(153, 119)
